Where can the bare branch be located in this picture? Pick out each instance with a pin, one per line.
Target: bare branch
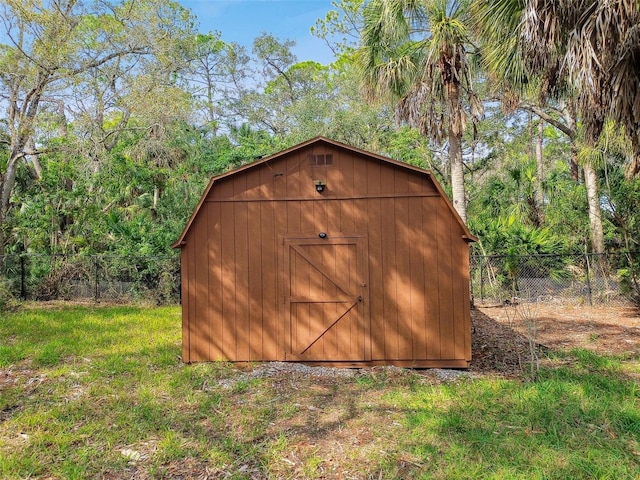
(571, 133)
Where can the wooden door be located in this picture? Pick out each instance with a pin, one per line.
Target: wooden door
(325, 300)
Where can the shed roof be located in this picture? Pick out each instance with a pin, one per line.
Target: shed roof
(467, 234)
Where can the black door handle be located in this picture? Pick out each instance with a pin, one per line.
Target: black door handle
(359, 298)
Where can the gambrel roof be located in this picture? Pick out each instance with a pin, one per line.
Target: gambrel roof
(311, 143)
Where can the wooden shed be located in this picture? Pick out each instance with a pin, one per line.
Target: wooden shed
(325, 253)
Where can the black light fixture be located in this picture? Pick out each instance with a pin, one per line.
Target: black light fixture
(319, 185)
(322, 235)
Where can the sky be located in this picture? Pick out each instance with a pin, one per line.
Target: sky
(241, 21)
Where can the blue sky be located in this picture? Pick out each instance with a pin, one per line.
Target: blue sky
(242, 20)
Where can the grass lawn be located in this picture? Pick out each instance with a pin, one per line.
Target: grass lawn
(100, 392)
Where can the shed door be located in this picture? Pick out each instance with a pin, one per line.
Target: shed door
(325, 299)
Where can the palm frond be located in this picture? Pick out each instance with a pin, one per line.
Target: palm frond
(412, 52)
(497, 25)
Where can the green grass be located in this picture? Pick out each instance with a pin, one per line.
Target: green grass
(92, 392)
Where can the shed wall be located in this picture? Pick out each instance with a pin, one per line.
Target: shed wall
(417, 293)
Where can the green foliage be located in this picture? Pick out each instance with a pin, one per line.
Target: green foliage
(120, 168)
(8, 301)
(508, 236)
(340, 26)
(622, 198)
(407, 145)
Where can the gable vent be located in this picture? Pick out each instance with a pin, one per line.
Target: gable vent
(320, 159)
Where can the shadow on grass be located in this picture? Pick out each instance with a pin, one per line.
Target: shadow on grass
(579, 420)
(575, 422)
(572, 423)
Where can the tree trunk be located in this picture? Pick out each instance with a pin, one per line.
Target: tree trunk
(457, 176)
(455, 150)
(595, 213)
(62, 118)
(33, 159)
(633, 169)
(7, 181)
(569, 115)
(21, 121)
(539, 170)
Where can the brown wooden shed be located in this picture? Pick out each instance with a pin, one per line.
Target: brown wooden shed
(326, 253)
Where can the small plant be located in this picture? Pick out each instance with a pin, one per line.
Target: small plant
(8, 302)
(530, 321)
(241, 386)
(312, 466)
(523, 315)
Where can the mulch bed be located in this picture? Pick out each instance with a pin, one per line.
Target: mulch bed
(500, 339)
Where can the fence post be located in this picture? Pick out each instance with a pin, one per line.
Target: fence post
(586, 258)
(96, 291)
(23, 275)
(481, 262)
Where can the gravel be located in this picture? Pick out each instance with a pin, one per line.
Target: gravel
(275, 369)
(298, 370)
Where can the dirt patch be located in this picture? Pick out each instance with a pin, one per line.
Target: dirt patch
(502, 334)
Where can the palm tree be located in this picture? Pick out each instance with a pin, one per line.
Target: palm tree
(595, 45)
(414, 52)
(527, 67)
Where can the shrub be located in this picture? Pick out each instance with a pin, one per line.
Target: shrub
(8, 301)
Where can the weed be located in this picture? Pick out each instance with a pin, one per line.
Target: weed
(312, 465)
(367, 381)
(241, 386)
(524, 314)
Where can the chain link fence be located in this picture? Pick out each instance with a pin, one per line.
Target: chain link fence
(587, 279)
(91, 277)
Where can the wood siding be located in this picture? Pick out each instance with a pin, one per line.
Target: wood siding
(392, 272)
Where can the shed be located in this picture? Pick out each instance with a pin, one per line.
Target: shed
(326, 254)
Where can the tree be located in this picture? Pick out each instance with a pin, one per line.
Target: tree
(590, 46)
(507, 29)
(282, 82)
(340, 27)
(295, 101)
(594, 45)
(53, 44)
(216, 69)
(415, 53)
(503, 185)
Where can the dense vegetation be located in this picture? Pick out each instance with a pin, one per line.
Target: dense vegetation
(114, 116)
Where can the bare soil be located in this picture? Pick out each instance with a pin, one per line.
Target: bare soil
(503, 335)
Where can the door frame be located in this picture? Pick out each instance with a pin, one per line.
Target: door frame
(362, 260)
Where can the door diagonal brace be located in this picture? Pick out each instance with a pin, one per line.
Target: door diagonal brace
(329, 327)
(328, 275)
